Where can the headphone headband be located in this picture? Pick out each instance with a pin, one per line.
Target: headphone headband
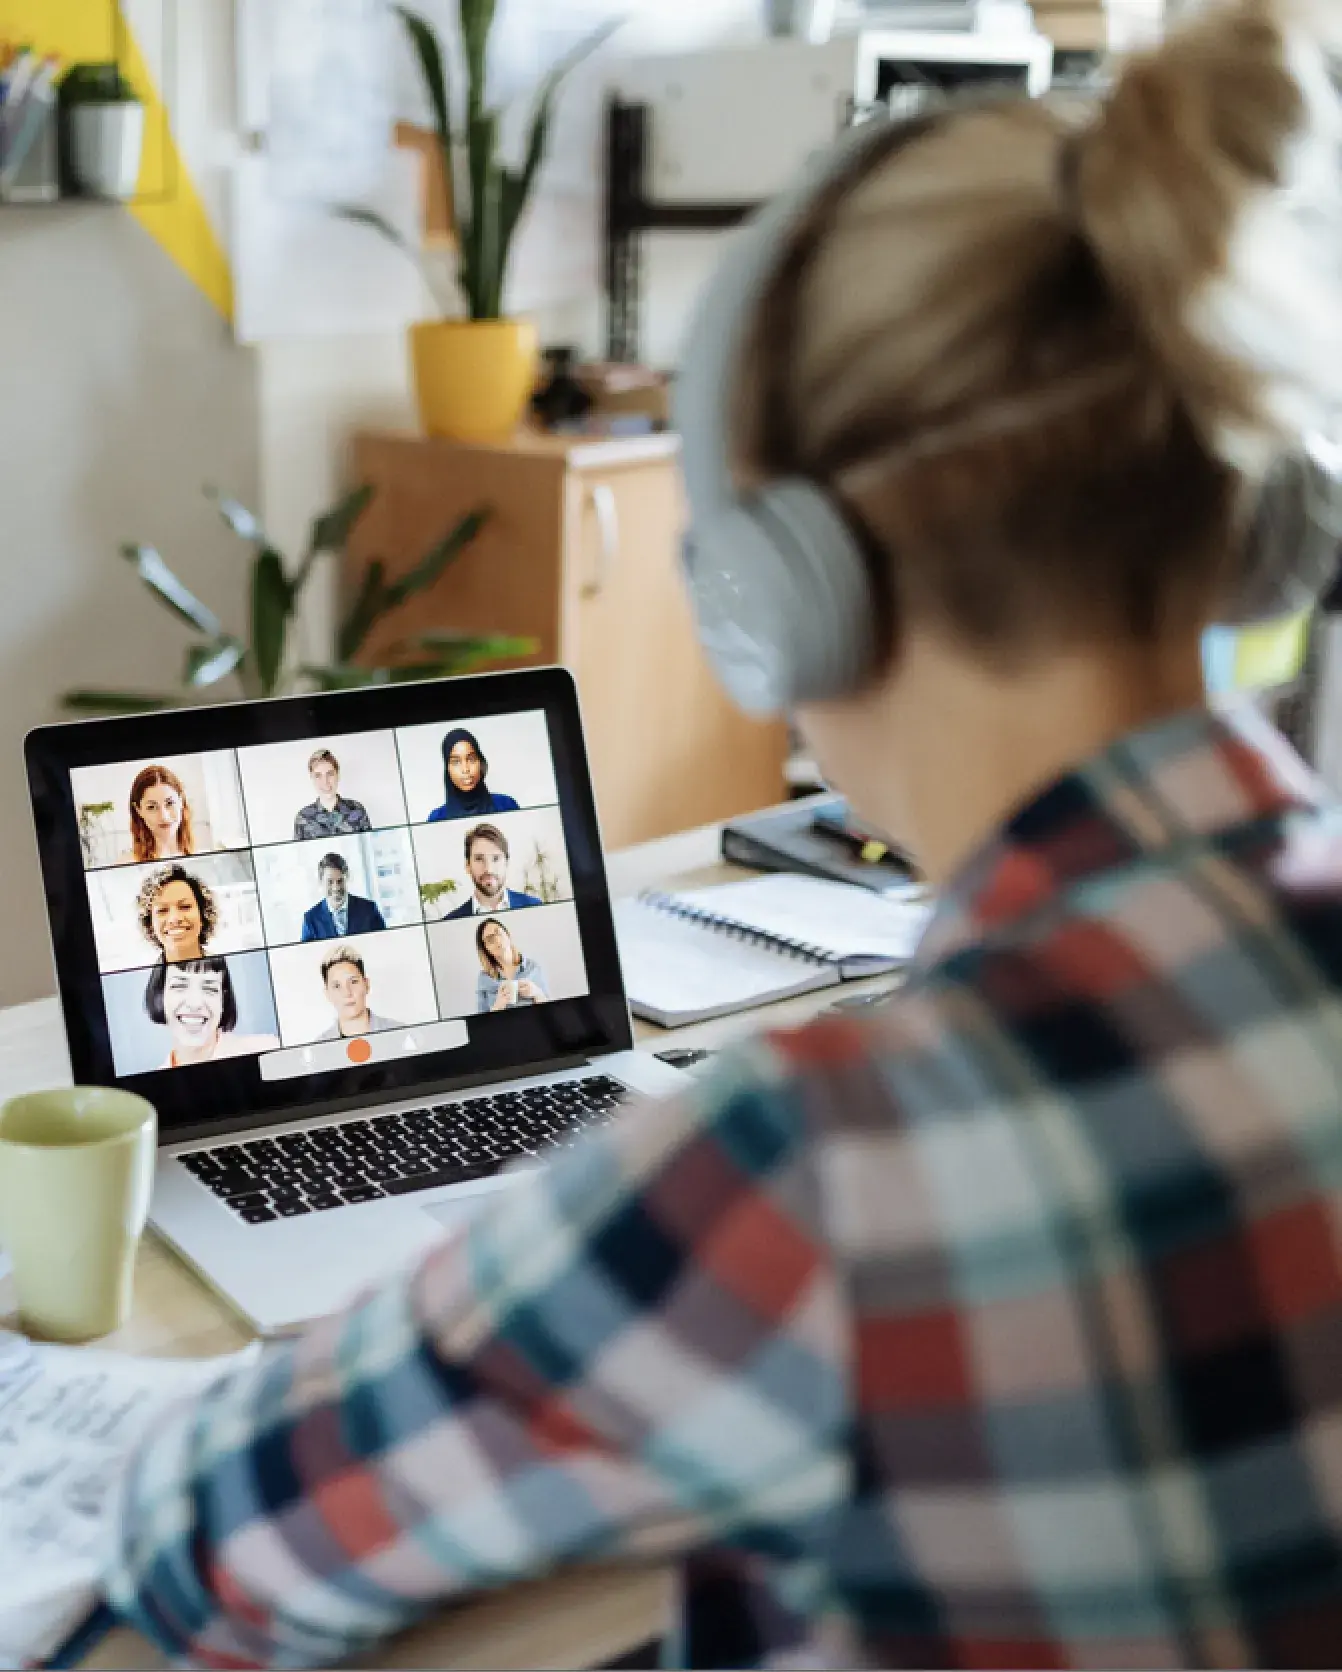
(787, 606)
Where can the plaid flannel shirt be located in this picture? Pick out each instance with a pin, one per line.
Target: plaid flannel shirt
(1002, 1327)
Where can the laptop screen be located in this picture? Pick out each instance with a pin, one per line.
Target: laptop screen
(291, 904)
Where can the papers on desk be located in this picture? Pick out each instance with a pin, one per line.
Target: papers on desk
(69, 1420)
(694, 955)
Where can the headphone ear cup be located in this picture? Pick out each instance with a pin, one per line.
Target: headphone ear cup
(783, 600)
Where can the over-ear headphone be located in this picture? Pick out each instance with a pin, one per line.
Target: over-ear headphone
(787, 607)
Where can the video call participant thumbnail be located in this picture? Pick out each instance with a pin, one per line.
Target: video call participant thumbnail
(160, 818)
(464, 772)
(339, 913)
(177, 913)
(195, 1001)
(347, 988)
(507, 978)
(331, 814)
(487, 857)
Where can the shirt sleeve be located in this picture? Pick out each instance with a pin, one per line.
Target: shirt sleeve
(637, 1351)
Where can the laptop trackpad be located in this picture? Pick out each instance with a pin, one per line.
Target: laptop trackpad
(450, 1215)
(454, 1209)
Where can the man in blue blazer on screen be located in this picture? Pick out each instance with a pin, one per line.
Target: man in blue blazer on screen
(487, 859)
(340, 913)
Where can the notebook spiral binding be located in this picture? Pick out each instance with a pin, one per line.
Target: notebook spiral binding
(802, 950)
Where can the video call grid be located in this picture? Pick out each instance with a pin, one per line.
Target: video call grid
(421, 925)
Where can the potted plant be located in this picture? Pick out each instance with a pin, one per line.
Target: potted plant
(104, 122)
(474, 376)
(262, 666)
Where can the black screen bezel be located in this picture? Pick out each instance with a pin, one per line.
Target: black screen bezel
(231, 1094)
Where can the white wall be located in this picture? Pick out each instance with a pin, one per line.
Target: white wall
(124, 395)
(315, 394)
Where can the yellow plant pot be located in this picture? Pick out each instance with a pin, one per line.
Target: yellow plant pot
(474, 377)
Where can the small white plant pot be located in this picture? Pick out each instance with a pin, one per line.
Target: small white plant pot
(106, 144)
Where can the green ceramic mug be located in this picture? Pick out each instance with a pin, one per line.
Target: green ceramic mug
(76, 1171)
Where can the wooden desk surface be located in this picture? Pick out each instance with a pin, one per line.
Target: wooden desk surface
(581, 1620)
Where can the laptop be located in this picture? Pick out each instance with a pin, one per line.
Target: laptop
(357, 949)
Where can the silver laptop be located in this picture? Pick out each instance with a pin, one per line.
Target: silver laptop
(357, 950)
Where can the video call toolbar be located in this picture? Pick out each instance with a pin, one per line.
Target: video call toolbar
(323, 892)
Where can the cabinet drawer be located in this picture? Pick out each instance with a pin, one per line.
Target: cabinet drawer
(668, 750)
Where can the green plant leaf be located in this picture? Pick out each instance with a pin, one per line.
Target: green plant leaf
(272, 605)
(116, 702)
(516, 185)
(207, 664)
(166, 587)
(480, 235)
(463, 650)
(431, 566)
(368, 606)
(543, 110)
(243, 522)
(379, 223)
(331, 530)
(432, 67)
(476, 18)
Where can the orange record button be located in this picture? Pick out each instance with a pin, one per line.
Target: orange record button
(358, 1050)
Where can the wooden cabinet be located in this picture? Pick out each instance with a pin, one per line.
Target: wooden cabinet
(582, 553)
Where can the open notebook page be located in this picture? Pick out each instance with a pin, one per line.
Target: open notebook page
(839, 919)
(678, 972)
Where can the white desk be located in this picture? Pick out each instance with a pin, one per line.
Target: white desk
(582, 1620)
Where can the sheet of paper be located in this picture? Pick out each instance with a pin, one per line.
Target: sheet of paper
(683, 971)
(69, 1420)
(846, 921)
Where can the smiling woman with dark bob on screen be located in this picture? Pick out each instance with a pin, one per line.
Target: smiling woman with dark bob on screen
(197, 1004)
(464, 771)
(998, 1324)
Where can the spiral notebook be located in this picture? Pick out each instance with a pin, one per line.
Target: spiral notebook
(701, 953)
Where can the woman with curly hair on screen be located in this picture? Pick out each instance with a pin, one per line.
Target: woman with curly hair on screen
(178, 913)
(160, 818)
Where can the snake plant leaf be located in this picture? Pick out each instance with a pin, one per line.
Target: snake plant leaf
(117, 702)
(272, 605)
(543, 111)
(207, 664)
(369, 217)
(170, 591)
(476, 19)
(434, 70)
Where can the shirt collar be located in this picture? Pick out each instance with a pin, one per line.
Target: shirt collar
(1196, 776)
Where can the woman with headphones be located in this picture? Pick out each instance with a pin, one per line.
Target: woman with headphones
(1002, 1325)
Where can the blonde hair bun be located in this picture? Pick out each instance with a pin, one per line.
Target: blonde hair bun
(1209, 186)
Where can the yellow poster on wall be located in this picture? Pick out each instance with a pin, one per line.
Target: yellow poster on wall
(172, 211)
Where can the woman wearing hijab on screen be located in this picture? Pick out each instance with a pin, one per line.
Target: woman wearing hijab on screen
(464, 771)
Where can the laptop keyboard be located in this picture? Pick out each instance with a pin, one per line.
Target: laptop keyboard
(396, 1155)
